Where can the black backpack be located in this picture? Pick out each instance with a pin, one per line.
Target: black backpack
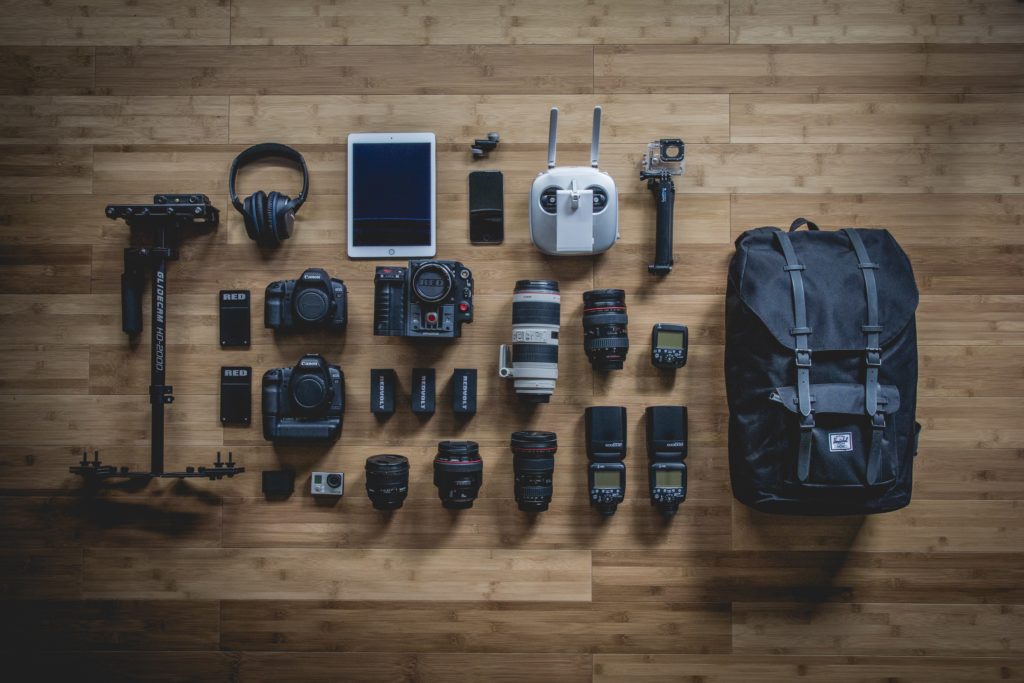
(821, 371)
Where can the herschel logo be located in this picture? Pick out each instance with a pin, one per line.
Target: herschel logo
(840, 441)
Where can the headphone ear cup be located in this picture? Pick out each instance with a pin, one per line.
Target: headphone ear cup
(284, 217)
(247, 218)
(259, 217)
(272, 235)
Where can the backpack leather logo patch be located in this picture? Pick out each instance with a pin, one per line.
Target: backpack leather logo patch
(840, 441)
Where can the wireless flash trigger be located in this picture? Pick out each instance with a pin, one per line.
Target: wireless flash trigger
(269, 218)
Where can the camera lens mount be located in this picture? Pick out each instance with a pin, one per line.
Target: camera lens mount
(432, 282)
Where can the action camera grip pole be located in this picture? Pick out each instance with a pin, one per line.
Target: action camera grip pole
(132, 284)
(664, 191)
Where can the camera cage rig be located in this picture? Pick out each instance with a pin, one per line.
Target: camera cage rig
(657, 167)
(167, 217)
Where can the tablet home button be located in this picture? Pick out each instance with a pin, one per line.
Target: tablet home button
(391, 252)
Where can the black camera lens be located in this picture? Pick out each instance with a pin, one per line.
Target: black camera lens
(432, 282)
(605, 339)
(387, 480)
(458, 473)
(533, 463)
(334, 480)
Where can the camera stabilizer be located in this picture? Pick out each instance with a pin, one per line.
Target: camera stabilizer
(664, 159)
(166, 217)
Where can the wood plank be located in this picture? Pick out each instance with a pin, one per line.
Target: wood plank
(61, 169)
(876, 118)
(319, 22)
(94, 421)
(40, 573)
(49, 221)
(42, 369)
(982, 319)
(878, 21)
(493, 522)
(469, 627)
(166, 667)
(950, 220)
(878, 629)
(53, 270)
(890, 68)
(163, 514)
(339, 70)
(110, 625)
(323, 574)
(660, 575)
(370, 667)
(113, 120)
(775, 668)
(328, 119)
(925, 526)
(115, 22)
(970, 474)
(47, 71)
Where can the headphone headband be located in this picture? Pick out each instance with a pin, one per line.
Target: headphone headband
(266, 150)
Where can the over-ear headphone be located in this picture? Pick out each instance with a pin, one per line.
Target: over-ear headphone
(269, 218)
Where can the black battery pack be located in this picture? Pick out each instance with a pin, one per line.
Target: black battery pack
(236, 395)
(235, 326)
(382, 391)
(423, 391)
(464, 391)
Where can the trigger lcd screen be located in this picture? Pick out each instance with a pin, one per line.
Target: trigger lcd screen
(391, 194)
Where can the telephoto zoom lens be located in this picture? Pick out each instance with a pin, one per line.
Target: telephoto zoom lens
(604, 328)
(536, 309)
(458, 473)
(387, 480)
(533, 462)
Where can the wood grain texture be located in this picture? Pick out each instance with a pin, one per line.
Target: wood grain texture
(392, 22)
(895, 114)
(875, 21)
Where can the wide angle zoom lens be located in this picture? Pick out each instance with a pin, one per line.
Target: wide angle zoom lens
(536, 313)
(458, 473)
(387, 480)
(533, 463)
(605, 336)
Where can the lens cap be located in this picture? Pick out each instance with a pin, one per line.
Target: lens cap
(309, 391)
(463, 449)
(311, 305)
(534, 440)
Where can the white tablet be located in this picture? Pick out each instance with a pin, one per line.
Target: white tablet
(392, 195)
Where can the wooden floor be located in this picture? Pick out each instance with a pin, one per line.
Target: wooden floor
(905, 114)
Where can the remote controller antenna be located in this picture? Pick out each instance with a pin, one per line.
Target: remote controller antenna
(552, 135)
(596, 139)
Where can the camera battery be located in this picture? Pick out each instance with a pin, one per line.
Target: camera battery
(236, 395)
(423, 391)
(382, 391)
(464, 391)
(235, 328)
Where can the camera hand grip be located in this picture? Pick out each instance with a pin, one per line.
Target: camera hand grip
(665, 193)
(131, 295)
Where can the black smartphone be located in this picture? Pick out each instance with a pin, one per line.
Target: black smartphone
(486, 207)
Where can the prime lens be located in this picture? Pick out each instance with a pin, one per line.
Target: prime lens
(533, 462)
(387, 480)
(458, 473)
(605, 337)
(533, 361)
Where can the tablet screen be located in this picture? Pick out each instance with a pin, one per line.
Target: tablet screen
(391, 194)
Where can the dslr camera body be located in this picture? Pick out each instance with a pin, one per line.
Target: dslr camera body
(314, 300)
(429, 298)
(304, 403)
(574, 209)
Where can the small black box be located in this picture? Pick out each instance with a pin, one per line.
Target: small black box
(666, 432)
(278, 483)
(382, 391)
(235, 326)
(236, 395)
(605, 433)
(464, 391)
(423, 390)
